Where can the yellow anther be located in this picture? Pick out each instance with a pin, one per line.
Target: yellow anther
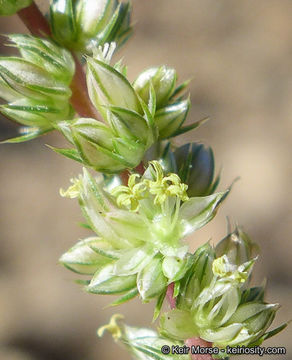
(223, 268)
(163, 187)
(130, 195)
(73, 191)
(112, 327)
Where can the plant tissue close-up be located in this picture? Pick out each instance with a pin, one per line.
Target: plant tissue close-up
(145, 179)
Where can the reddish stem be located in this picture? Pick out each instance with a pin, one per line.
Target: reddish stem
(79, 98)
(169, 296)
(34, 20)
(37, 24)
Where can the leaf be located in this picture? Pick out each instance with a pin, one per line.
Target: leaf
(177, 324)
(179, 89)
(107, 86)
(30, 134)
(128, 296)
(105, 281)
(198, 211)
(187, 128)
(62, 21)
(82, 259)
(158, 305)
(31, 80)
(151, 281)
(175, 268)
(46, 54)
(129, 123)
(134, 260)
(69, 153)
(195, 164)
(170, 118)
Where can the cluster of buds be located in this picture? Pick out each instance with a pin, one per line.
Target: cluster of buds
(83, 25)
(215, 303)
(141, 228)
(138, 247)
(10, 7)
(131, 124)
(36, 85)
(157, 86)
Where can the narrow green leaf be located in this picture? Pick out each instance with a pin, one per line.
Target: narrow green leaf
(187, 128)
(105, 282)
(158, 305)
(30, 134)
(124, 298)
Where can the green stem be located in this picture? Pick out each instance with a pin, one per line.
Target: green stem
(38, 25)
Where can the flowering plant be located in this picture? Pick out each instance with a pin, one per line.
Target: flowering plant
(148, 194)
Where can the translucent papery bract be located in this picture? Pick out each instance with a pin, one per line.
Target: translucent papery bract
(10, 7)
(142, 343)
(36, 85)
(237, 246)
(144, 231)
(81, 25)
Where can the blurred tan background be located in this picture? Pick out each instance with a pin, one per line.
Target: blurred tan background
(239, 55)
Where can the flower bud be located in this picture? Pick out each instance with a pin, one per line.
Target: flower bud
(36, 85)
(237, 246)
(195, 164)
(108, 87)
(163, 80)
(10, 7)
(82, 25)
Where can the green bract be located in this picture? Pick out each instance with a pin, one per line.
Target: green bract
(159, 84)
(129, 129)
(36, 85)
(10, 7)
(82, 25)
(214, 305)
(140, 228)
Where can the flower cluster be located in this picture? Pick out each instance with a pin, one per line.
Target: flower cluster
(83, 25)
(140, 227)
(215, 302)
(140, 224)
(36, 85)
